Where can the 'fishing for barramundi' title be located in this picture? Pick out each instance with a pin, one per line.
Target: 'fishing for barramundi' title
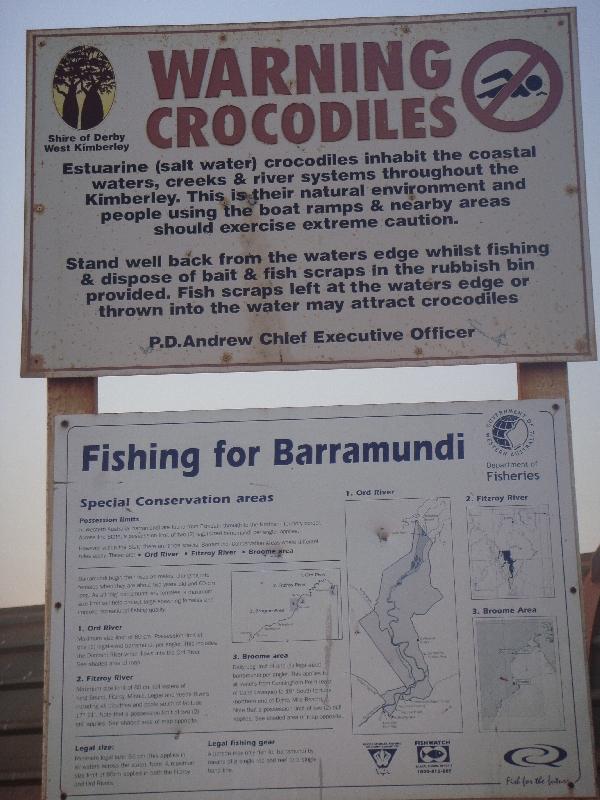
(284, 452)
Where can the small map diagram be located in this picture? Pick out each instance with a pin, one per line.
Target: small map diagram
(509, 552)
(286, 605)
(403, 630)
(518, 675)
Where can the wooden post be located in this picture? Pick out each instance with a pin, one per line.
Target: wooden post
(65, 396)
(543, 381)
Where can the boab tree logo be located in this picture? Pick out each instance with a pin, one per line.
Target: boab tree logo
(84, 87)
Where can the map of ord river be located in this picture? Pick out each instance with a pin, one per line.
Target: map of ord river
(509, 552)
(403, 636)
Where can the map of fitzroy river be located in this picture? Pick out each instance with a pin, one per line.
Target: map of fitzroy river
(509, 552)
(403, 637)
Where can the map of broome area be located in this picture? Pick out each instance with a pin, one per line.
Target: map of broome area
(509, 552)
(519, 683)
(283, 605)
(403, 632)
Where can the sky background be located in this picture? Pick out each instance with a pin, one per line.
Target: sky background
(23, 401)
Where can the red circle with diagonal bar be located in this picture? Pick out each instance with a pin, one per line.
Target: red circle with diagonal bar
(535, 55)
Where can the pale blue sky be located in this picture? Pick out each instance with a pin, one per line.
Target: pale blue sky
(22, 421)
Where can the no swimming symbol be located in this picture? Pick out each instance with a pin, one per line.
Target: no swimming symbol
(486, 101)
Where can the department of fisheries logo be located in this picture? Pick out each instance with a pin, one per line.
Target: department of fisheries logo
(83, 87)
(382, 755)
(510, 432)
(537, 755)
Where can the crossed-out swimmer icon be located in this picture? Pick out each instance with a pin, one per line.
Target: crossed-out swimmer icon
(533, 83)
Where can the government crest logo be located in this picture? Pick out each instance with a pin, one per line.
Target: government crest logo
(382, 755)
(510, 432)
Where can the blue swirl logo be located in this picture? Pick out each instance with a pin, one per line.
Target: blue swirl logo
(538, 755)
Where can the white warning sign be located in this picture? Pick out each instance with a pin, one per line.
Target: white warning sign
(363, 192)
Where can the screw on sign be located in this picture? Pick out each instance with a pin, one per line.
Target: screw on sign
(516, 84)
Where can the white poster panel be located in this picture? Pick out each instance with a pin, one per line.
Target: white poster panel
(351, 602)
(355, 192)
